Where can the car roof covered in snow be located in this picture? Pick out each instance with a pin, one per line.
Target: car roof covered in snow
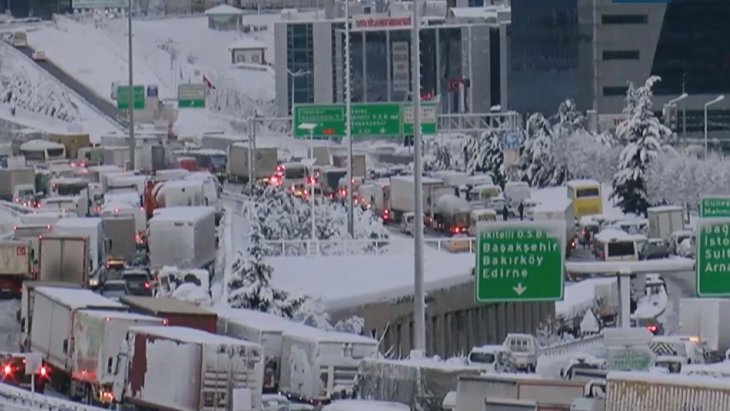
(76, 298)
(425, 180)
(163, 305)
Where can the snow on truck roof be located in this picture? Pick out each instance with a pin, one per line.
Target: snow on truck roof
(664, 208)
(120, 315)
(424, 179)
(555, 204)
(174, 214)
(40, 145)
(613, 234)
(73, 222)
(164, 305)
(581, 183)
(315, 334)
(365, 405)
(260, 320)
(76, 298)
(190, 335)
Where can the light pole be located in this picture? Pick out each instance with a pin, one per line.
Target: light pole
(310, 161)
(294, 75)
(130, 98)
(419, 303)
(708, 104)
(348, 125)
(684, 110)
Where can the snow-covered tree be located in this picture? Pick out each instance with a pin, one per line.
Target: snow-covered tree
(249, 285)
(313, 313)
(536, 161)
(495, 157)
(642, 135)
(585, 155)
(569, 120)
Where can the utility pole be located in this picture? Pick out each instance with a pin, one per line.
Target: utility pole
(348, 130)
(419, 303)
(684, 110)
(130, 96)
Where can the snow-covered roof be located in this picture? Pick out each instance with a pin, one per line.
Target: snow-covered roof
(665, 208)
(554, 204)
(434, 363)
(76, 298)
(73, 222)
(314, 334)
(365, 405)
(40, 145)
(260, 320)
(175, 214)
(186, 183)
(165, 305)
(105, 169)
(190, 335)
(120, 315)
(208, 152)
(581, 183)
(424, 179)
(491, 348)
(247, 43)
(613, 234)
(483, 211)
(222, 10)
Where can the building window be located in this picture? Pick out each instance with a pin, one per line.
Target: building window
(241, 58)
(255, 58)
(621, 54)
(624, 19)
(615, 91)
(300, 58)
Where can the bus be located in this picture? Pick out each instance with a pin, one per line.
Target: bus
(42, 151)
(586, 197)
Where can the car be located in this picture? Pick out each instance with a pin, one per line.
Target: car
(13, 372)
(654, 248)
(138, 281)
(40, 56)
(114, 289)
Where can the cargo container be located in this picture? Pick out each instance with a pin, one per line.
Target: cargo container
(402, 195)
(16, 264)
(91, 229)
(176, 312)
(422, 384)
(183, 237)
(176, 368)
(260, 328)
(332, 357)
(72, 142)
(473, 390)
(121, 238)
(237, 168)
(358, 163)
(51, 325)
(706, 318)
(63, 258)
(26, 305)
(665, 220)
(14, 180)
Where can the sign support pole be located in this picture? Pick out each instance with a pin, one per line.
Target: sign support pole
(348, 126)
(132, 145)
(419, 303)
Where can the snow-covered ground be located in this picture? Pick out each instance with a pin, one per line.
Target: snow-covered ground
(41, 101)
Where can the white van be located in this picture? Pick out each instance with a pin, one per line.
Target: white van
(492, 358)
(523, 348)
(616, 245)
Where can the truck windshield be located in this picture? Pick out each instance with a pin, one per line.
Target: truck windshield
(621, 248)
(26, 192)
(70, 189)
(294, 173)
(481, 357)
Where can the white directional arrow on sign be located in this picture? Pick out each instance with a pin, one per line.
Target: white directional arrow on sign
(519, 289)
(382, 130)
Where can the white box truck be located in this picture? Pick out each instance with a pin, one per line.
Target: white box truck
(402, 197)
(558, 209)
(317, 365)
(709, 319)
(97, 335)
(52, 321)
(260, 328)
(237, 168)
(26, 306)
(15, 265)
(121, 239)
(183, 237)
(91, 228)
(182, 369)
(63, 258)
(15, 180)
(665, 220)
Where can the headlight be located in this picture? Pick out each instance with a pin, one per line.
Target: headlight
(93, 282)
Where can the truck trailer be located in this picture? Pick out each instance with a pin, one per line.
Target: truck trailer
(176, 368)
(63, 258)
(14, 181)
(183, 237)
(708, 319)
(402, 196)
(16, 265)
(237, 168)
(665, 220)
(91, 228)
(174, 312)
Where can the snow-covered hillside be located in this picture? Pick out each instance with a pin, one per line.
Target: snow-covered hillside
(33, 98)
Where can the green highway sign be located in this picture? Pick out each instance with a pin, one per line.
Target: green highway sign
(520, 261)
(376, 120)
(368, 119)
(715, 206)
(629, 358)
(137, 97)
(329, 118)
(712, 265)
(191, 96)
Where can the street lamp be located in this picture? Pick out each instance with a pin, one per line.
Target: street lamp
(310, 162)
(130, 96)
(678, 99)
(294, 75)
(708, 104)
(670, 109)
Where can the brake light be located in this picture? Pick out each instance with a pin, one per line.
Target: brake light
(165, 322)
(7, 370)
(147, 284)
(652, 328)
(44, 371)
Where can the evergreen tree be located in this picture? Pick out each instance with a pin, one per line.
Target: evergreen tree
(475, 154)
(642, 134)
(495, 158)
(568, 120)
(249, 285)
(536, 160)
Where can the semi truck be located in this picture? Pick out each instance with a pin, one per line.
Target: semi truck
(402, 199)
(17, 184)
(53, 315)
(16, 263)
(708, 319)
(176, 368)
(63, 258)
(91, 229)
(237, 167)
(333, 357)
(175, 312)
(184, 237)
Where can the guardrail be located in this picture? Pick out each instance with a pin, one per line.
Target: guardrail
(572, 346)
(16, 399)
(341, 247)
